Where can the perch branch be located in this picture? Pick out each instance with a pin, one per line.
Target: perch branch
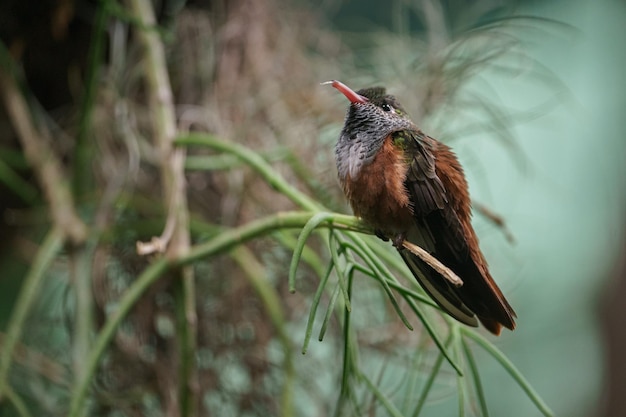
(433, 263)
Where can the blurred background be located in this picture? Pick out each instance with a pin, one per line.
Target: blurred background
(530, 94)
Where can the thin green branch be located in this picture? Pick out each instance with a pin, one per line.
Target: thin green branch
(15, 183)
(367, 253)
(390, 408)
(36, 142)
(125, 304)
(460, 380)
(431, 379)
(223, 242)
(390, 258)
(80, 259)
(186, 332)
(412, 374)
(314, 305)
(82, 178)
(381, 272)
(18, 403)
(309, 256)
(294, 219)
(28, 293)
(329, 312)
(308, 228)
(348, 362)
(511, 369)
(255, 161)
(255, 272)
(212, 162)
(339, 269)
(480, 393)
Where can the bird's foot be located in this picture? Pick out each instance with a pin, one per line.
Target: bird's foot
(398, 241)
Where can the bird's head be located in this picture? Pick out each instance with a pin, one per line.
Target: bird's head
(373, 115)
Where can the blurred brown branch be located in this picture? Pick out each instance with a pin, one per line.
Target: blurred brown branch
(176, 236)
(35, 141)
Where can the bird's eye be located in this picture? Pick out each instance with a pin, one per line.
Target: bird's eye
(386, 107)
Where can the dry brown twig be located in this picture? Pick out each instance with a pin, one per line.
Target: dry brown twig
(175, 238)
(496, 219)
(433, 263)
(46, 165)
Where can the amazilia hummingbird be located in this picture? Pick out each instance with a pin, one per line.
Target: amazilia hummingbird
(410, 187)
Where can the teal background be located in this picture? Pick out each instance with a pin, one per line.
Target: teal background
(566, 209)
(562, 192)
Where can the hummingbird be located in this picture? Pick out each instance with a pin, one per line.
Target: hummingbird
(410, 187)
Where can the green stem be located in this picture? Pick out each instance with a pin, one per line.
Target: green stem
(431, 379)
(223, 242)
(460, 380)
(16, 184)
(255, 161)
(30, 288)
(293, 219)
(309, 256)
(390, 408)
(18, 403)
(480, 393)
(80, 262)
(345, 392)
(511, 369)
(126, 303)
(301, 244)
(255, 272)
(82, 180)
(187, 319)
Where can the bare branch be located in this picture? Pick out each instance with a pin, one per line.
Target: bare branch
(35, 141)
(433, 263)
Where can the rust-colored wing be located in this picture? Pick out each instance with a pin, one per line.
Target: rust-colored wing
(441, 212)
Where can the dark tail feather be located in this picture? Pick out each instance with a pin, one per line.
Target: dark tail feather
(491, 325)
(478, 296)
(439, 289)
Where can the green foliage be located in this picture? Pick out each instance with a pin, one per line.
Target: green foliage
(345, 245)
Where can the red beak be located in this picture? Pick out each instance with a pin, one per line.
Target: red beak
(347, 91)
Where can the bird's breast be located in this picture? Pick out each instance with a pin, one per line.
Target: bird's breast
(377, 192)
